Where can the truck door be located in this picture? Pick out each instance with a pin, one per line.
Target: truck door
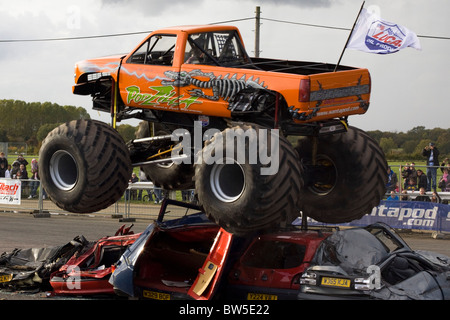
(210, 273)
(147, 74)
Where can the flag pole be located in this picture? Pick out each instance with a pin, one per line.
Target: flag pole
(349, 36)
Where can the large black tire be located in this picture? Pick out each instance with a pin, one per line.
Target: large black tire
(237, 196)
(349, 179)
(84, 166)
(169, 176)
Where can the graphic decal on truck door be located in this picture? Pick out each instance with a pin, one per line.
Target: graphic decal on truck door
(222, 88)
(165, 95)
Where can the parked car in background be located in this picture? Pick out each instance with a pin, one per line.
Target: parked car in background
(374, 263)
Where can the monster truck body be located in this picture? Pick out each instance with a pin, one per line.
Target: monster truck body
(186, 76)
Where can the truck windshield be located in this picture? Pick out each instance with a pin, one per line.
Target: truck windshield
(222, 48)
(158, 50)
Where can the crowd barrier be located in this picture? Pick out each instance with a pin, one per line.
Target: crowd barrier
(412, 215)
(15, 197)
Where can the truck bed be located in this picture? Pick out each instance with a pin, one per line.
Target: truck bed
(295, 67)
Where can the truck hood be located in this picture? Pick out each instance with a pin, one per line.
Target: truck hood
(107, 65)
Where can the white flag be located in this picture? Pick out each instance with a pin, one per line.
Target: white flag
(372, 34)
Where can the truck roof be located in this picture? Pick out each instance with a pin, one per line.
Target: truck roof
(196, 28)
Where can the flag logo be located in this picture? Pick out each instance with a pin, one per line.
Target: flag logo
(374, 35)
(384, 36)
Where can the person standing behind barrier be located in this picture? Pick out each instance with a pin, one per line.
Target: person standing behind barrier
(422, 181)
(404, 196)
(392, 180)
(393, 196)
(2, 170)
(4, 162)
(411, 186)
(444, 182)
(158, 194)
(435, 198)
(431, 152)
(422, 196)
(22, 160)
(35, 176)
(8, 172)
(143, 178)
(15, 169)
(23, 172)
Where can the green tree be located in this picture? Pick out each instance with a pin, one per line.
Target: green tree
(387, 144)
(127, 132)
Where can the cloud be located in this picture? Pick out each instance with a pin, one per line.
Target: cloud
(298, 3)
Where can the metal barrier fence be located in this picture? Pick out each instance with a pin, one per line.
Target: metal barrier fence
(138, 201)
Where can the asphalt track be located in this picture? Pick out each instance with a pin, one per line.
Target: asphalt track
(22, 231)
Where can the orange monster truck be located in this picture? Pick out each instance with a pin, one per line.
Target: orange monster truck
(216, 120)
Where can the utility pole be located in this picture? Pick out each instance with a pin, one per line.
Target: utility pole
(257, 26)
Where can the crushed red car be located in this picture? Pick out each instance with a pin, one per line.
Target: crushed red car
(271, 267)
(87, 272)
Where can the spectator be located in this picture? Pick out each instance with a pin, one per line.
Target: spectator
(23, 172)
(404, 196)
(35, 184)
(158, 194)
(444, 182)
(392, 183)
(143, 178)
(431, 152)
(422, 196)
(132, 192)
(22, 160)
(393, 196)
(15, 169)
(435, 198)
(2, 170)
(405, 175)
(4, 161)
(411, 186)
(421, 180)
(445, 163)
(8, 172)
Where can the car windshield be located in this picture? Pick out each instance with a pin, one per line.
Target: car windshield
(390, 241)
(216, 48)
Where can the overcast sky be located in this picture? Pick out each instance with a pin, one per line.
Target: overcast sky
(409, 88)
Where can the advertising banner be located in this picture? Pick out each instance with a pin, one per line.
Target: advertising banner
(10, 191)
(406, 215)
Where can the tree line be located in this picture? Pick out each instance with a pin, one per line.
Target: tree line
(408, 145)
(30, 122)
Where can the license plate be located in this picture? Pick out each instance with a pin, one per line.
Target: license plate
(261, 296)
(336, 282)
(156, 295)
(5, 278)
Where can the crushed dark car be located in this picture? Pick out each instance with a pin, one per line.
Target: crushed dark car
(374, 262)
(31, 268)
